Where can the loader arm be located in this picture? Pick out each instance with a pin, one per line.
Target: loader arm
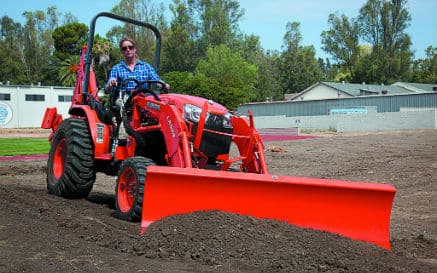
(175, 134)
(250, 146)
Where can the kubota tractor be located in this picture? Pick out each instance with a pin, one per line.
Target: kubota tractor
(175, 158)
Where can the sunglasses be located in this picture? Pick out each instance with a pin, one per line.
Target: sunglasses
(127, 47)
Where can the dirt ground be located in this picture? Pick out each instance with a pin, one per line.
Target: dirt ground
(43, 233)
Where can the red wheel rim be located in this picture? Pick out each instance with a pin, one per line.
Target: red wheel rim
(59, 158)
(126, 190)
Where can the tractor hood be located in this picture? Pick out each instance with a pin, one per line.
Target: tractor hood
(181, 100)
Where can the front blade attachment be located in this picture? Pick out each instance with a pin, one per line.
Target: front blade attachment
(357, 210)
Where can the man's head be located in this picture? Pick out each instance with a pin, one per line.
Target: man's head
(128, 47)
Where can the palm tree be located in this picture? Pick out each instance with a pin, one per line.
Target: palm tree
(68, 70)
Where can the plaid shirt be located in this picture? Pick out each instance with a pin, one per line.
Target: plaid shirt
(142, 72)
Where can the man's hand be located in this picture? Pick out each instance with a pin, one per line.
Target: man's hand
(113, 82)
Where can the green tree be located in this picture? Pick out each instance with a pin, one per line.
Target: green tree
(236, 78)
(29, 48)
(249, 48)
(341, 40)
(12, 68)
(179, 80)
(50, 66)
(268, 85)
(383, 25)
(68, 70)
(329, 71)
(69, 39)
(425, 70)
(50, 71)
(299, 67)
(37, 42)
(10, 32)
(218, 21)
(179, 49)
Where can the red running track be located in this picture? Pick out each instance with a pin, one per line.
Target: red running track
(267, 138)
(23, 157)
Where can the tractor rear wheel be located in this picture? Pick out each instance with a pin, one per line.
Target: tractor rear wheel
(129, 189)
(70, 167)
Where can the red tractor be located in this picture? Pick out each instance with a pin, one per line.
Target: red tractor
(171, 154)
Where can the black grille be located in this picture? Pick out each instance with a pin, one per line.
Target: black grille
(214, 122)
(212, 143)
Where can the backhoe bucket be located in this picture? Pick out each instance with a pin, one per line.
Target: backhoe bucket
(357, 210)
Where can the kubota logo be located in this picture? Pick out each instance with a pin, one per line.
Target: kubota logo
(170, 125)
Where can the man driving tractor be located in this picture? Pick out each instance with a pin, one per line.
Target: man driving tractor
(131, 67)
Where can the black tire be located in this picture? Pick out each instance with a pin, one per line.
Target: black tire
(129, 189)
(70, 167)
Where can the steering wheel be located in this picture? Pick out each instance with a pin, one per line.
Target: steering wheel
(145, 87)
(149, 87)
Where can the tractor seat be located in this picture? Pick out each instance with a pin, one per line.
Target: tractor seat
(103, 113)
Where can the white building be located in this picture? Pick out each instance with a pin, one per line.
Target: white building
(24, 106)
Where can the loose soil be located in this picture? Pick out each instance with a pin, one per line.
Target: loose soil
(44, 233)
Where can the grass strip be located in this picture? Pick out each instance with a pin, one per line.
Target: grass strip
(24, 146)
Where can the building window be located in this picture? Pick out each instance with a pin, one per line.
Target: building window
(65, 98)
(4, 96)
(34, 97)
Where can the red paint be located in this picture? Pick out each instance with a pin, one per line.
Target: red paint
(357, 210)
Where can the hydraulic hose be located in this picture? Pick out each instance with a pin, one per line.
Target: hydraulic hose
(130, 131)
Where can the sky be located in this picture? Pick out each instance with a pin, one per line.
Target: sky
(264, 18)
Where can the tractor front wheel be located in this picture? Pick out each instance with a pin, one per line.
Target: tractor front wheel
(70, 167)
(129, 189)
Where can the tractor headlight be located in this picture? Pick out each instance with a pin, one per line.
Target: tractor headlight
(227, 120)
(192, 113)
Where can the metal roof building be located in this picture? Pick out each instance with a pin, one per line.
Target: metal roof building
(350, 107)
(321, 97)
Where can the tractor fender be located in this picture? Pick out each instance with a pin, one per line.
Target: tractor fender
(99, 131)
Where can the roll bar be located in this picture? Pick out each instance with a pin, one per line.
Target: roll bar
(126, 20)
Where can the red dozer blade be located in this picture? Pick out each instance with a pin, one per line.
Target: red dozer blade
(357, 210)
